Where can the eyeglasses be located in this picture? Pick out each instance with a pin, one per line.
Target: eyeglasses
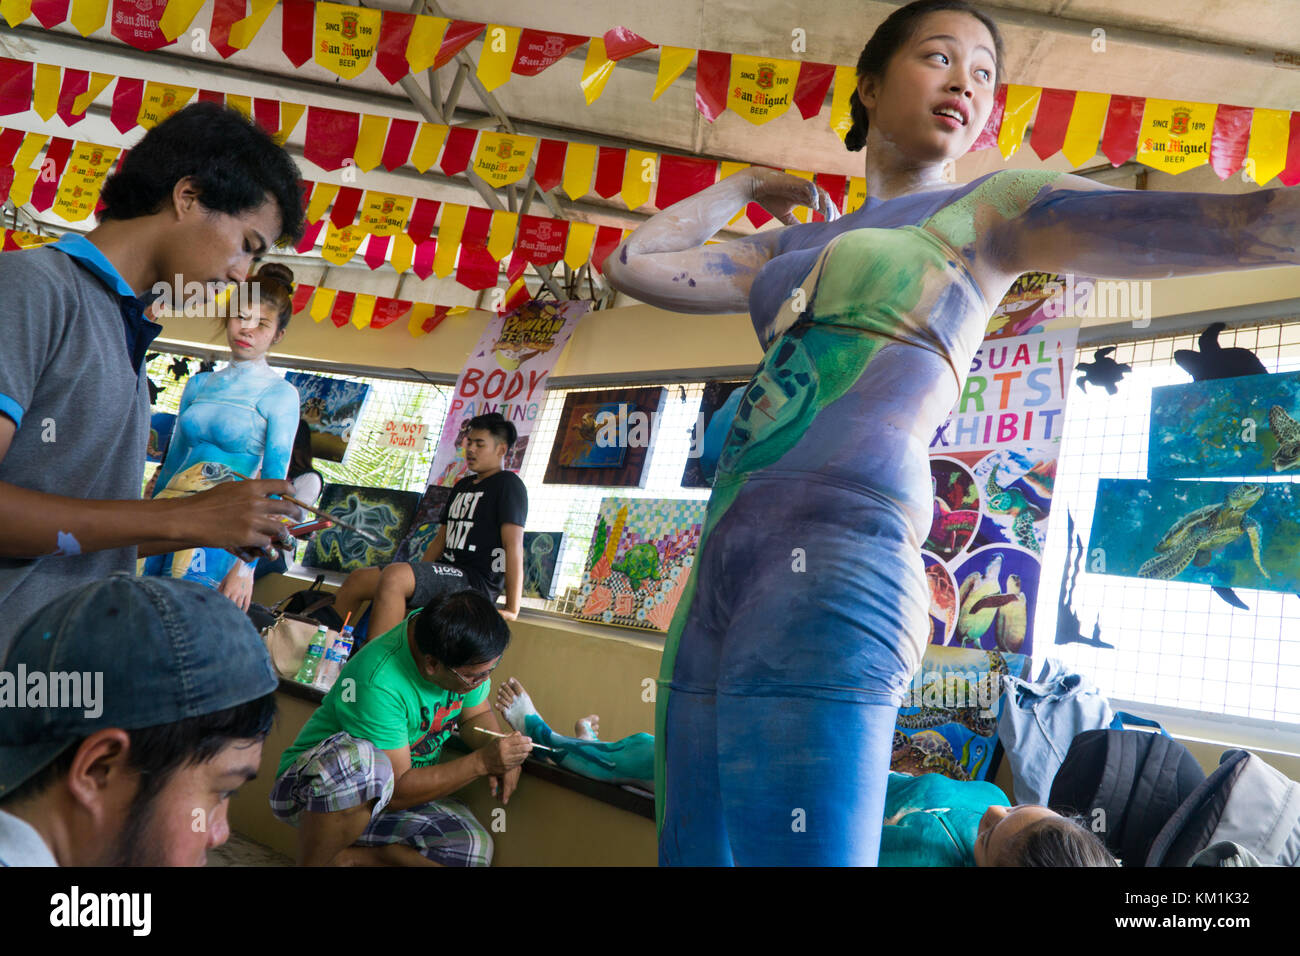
(477, 680)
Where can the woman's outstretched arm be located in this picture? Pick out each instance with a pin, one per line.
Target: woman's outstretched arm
(665, 262)
(1076, 225)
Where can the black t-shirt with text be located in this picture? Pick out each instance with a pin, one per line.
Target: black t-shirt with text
(473, 517)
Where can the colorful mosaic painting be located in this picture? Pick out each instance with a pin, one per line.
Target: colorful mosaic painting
(640, 560)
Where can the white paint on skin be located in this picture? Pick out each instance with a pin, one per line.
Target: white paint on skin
(69, 546)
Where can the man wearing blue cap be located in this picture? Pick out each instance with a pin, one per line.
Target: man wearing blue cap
(131, 710)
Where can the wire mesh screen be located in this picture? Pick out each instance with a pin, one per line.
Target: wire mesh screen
(1175, 644)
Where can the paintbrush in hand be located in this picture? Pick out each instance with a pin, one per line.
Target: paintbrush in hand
(375, 540)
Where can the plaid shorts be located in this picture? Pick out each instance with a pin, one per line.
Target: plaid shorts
(342, 772)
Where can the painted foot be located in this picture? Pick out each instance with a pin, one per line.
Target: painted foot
(514, 703)
(587, 728)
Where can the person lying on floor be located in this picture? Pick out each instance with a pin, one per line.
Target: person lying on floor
(479, 545)
(362, 782)
(930, 820)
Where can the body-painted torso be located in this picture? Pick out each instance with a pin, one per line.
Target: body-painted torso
(891, 318)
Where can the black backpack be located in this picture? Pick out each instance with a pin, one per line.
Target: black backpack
(1127, 784)
(310, 602)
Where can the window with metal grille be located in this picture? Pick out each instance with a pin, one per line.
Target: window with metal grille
(1177, 645)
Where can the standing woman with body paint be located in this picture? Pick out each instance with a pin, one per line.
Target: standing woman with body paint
(241, 420)
(805, 616)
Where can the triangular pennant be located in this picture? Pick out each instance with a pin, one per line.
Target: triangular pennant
(346, 38)
(225, 13)
(1175, 135)
(458, 35)
(135, 23)
(539, 49)
(47, 184)
(308, 241)
(267, 114)
(1052, 122)
(1087, 119)
(290, 114)
(502, 158)
(331, 136)
(596, 71)
(403, 254)
(761, 88)
(387, 311)
(370, 141)
(712, 71)
(341, 314)
(609, 171)
(682, 176)
(341, 244)
(76, 110)
(45, 90)
(301, 296)
(428, 144)
(638, 177)
(298, 19)
(989, 135)
(810, 91)
(501, 237)
(1022, 101)
(16, 78)
(846, 87)
(377, 251)
(1230, 140)
(621, 43)
(394, 36)
(426, 38)
(607, 240)
(1123, 121)
(160, 101)
(50, 13)
(420, 226)
(243, 31)
(1270, 131)
(178, 16)
(549, 171)
(88, 15)
(345, 207)
(673, 61)
(459, 148)
(401, 134)
(322, 304)
(579, 164)
(497, 56)
(577, 247)
(449, 232)
(1290, 176)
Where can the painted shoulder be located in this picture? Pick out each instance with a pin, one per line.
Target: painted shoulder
(1009, 192)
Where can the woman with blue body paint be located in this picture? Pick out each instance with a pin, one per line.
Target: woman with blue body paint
(239, 420)
(805, 616)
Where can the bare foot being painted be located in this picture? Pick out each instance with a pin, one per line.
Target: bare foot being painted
(514, 703)
(630, 760)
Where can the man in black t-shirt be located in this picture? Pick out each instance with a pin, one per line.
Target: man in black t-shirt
(479, 545)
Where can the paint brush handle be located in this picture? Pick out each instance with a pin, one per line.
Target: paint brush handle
(493, 733)
(322, 514)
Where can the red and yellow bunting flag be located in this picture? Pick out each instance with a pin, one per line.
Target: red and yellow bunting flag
(135, 23)
(424, 45)
(161, 100)
(15, 239)
(82, 180)
(178, 16)
(498, 55)
(1175, 135)
(15, 12)
(761, 88)
(846, 86)
(384, 214)
(341, 244)
(596, 71)
(1022, 101)
(346, 38)
(428, 144)
(1052, 122)
(1230, 141)
(673, 61)
(538, 49)
(243, 31)
(502, 158)
(1269, 132)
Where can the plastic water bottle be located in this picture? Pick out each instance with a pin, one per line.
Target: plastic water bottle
(336, 655)
(315, 651)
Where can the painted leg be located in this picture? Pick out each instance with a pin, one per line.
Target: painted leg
(630, 760)
(396, 585)
(357, 588)
(693, 832)
(803, 779)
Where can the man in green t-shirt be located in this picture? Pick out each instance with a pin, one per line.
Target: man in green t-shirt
(362, 782)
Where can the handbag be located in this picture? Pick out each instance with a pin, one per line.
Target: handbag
(289, 635)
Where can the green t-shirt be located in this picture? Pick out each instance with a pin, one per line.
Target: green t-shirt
(381, 697)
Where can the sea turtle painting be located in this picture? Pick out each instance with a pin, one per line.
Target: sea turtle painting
(1103, 371)
(1287, 432)
(972, 625)
(1012, 501)
(1196, 536)
(1012, 621)
(927, 751)
(640, 563)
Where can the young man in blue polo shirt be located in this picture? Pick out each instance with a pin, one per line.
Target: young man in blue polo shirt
(198, 200)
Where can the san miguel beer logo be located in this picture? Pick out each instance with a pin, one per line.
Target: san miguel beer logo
(553, 47)
(349, 26)
(168, 98)
(766, 76)
(96, 157)
(387, 206)
(1178, 121)
(506, 149)
(543, 232)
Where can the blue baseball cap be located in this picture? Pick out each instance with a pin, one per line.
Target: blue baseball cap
(123, 651)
